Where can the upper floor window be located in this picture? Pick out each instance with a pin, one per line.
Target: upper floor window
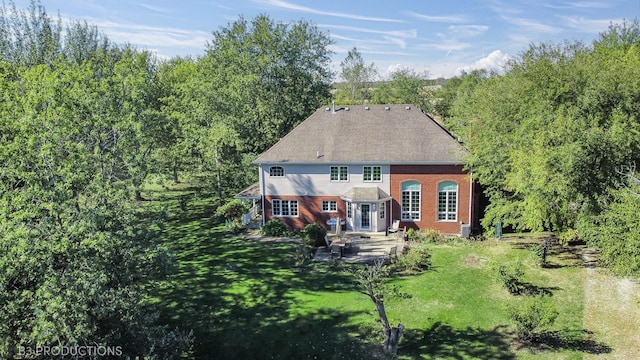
(284, 208)
(329, 206)
(372, 173)
(339, 173)
(447, 201)
(410, 200)
(276, 171)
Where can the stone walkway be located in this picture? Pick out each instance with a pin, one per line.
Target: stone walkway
(366, 247)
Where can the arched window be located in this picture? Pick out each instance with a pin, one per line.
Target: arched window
(410, 200)
(447, 201)
(276, 171)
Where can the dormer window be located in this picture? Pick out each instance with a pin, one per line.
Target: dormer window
(276, 171)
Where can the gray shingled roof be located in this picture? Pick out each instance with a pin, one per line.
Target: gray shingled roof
(376, 135)
(361, 193)
(252, 192)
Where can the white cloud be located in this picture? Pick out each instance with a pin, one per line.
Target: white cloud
(152, 36)
(467, 30)
(591, 26)
(395, 68)
(435, 18)
(294, 7)
(532, 26)
(497, 61)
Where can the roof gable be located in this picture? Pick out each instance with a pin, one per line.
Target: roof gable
(368, 134)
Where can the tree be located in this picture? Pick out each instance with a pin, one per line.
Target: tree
(372, 282)
(76, 264)
(457, 90)
(614, 230)
(546, 137)
(257, 80)
(30, 37)
(357, 77)
(266, 77)
(405, 86)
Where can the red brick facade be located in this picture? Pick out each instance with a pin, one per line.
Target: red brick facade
(309, 210)
(429, 176)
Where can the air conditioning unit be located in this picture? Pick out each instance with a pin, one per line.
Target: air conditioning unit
(465, 230)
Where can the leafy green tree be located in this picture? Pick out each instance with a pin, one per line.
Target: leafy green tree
(457, 90)
(405, 86)
(257, 80)
(266, 77)
(76, 264)
(614, 230)
(30, 37)
(546, 137)
(357, 76)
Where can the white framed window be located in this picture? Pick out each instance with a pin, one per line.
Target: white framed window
(349, 214)
(339, 173)
(410, 200)
(447, 201)
(382, 210)
(329, 206)
(276, 171)
(372, 174)
(284, 208)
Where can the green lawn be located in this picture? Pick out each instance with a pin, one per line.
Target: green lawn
(244, 299)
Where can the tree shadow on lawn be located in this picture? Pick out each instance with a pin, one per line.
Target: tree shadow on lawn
(442, 341)
(237, 297)
(572, 340)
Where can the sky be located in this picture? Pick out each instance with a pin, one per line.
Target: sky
(442, 38)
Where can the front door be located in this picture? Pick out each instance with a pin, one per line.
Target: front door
(365, 216)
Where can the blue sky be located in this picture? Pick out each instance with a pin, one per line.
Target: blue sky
(440, 37)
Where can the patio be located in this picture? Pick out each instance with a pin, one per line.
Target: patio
(365, 247)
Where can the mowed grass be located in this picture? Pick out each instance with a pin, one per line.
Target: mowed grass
(245, 299)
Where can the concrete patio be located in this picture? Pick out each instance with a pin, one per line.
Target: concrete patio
(365, 248)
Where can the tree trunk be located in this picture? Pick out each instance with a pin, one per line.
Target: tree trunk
(175, 175)
(391, 335)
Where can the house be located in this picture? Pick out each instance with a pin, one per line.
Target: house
(368, 165)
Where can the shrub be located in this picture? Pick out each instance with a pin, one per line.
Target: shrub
(430, 235)
(417, 259)
(314, 234)
(232, 209)
(302, 256)
(273, 228)
(540, 251)
(433, 235)
(413, 235)
(531, 315)
(509, 275)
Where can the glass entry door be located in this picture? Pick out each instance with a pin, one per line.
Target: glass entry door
(365, 216)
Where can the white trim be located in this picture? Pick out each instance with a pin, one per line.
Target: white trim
(276, 166)
(447, 212)
(339, 173)
(372, 174)
(410, 203)
(329, 203)
(288, 206)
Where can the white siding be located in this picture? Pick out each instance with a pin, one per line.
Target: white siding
(314, 180)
